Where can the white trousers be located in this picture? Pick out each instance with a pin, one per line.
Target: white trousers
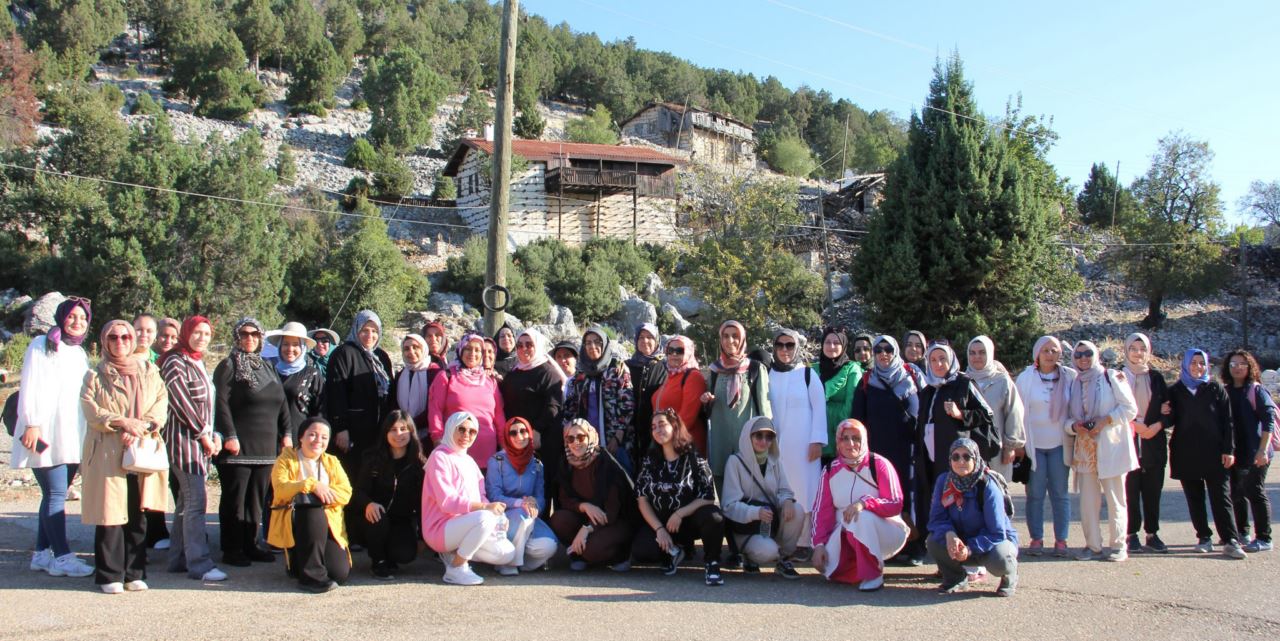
(1092, 489)
(476, 536)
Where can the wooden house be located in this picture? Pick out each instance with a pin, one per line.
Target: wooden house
(708, 137)
(572, 191)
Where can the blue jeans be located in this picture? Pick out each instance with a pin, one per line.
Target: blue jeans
(51, 523)
(1050, 475)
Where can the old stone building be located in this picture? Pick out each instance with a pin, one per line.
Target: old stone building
(572, 191)
(709, 137)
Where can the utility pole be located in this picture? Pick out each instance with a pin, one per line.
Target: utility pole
(496, 270)
(1244, 293)
(822, 218)
(1115, 195)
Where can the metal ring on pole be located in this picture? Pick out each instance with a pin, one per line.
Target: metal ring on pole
(493, 307)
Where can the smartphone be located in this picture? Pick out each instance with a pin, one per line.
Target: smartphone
(41, 446)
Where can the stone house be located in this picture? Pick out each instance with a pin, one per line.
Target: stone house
(572, 191)
(709, 137)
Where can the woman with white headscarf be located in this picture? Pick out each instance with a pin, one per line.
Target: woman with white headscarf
(410, 388)
(1045, 388)
(458, 519)
(1101, 408)
(759, 503)
(799, 405)
(1144, 485)
(1001, 394)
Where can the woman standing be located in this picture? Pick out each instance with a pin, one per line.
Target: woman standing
(409, 390)
(648, 373)
(857, 521)
(437, 348)
(252, 416)
(1045, 389)
(303, 383)
(505, 349)
(1101, 408)
(1202, 450)
(515, 478)
(124, 402)
(465, 386)
(388, 494)
(840, 377)
(596, 511)
(682, 390)
(51, 428)
(968, 523)
(458, 520)
(759, 503)
(737, 390)
(1253, 415)
(325, 340)
(913, 352)
(191, 442)
(1001, 395)
(674, 486)
(1144, 485)
(310, 490)
(166, 336)
(861, 351)
(602, 394)
(534, 391)
(357, 390)
(146, 330)
(800, 417)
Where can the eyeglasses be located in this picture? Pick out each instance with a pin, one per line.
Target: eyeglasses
(593, 341)
(1088, 353)
(519, 431)
(1239, 366)
(883, 349)
(782, 345)
(524, 345)
(119, 337)
(961, 456)
(576, 438)
(675, 351)
(764, 436)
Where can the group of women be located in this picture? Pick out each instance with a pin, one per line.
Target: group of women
(505, 450)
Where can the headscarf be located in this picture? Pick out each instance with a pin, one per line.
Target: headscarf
(519, 458)
(57, 334)
(828, 367)
(993, 368)
(469, 375)
(412, 386)
(451, 427)
(1185, 376)
(1139, 375)
(796, 359)
(500, 354)
(734, 366)
(593, 443)
(748, 453)
(895, 377)
(863, 337)
(541, 352)
(127, 367)
(854, 425)
(957, 485)
(183, 346)
(287, 369)
(596, 368)
(440, 359)
(248, 366)
(953, 365)
(690, 357)
(380, 375)
(1084, 406)
(923, 341)
(1058, 398)
(639, 360)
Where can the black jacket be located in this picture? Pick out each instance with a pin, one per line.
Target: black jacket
(1202, 431)
(1153, 453)
(537, 395)
(351, 398)
(645, 380)
(395, 485)
(977, 420)
(304, 396)
(258, 418)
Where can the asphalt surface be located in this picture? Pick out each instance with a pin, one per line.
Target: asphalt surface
(1181, 595)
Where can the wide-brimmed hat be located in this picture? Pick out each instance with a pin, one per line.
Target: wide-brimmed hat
(294, 329)
(333, 336)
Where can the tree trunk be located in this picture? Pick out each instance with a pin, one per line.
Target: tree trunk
(1155, 316)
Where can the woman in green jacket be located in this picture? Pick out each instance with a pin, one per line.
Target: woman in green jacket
(840, 376)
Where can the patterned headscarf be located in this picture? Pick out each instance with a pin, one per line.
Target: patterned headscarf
(593, 443)
(380, 375)
(690, 355)
(895, 377)
(248, 366)
(957, 485)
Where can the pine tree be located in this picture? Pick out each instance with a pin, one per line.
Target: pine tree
(317, 71)
(286, 165)
(402, 92)
(473, 116)
(595, 127)
(259, 29)
(1103, 199)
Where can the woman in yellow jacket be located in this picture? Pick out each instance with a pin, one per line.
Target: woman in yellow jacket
(124, 400)
(310, 490)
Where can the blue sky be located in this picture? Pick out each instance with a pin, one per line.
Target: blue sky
(1114, 76)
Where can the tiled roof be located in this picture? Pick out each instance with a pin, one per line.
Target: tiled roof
(545, 150)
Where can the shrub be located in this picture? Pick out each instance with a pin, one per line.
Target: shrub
(392, 177)
(145, 105)
(356, 189)
(630, 262)
(286, 166)
(361, 155)
(13, 352)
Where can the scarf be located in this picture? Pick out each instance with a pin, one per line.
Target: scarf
(1139, 375)
(248, 366)
(953, 366)
(440, 358)
(541, 353)
(57, 334)
(1084, 397)
(993, 368)
(593, 443)
(596, 368)
(127, 367)
(1185, 376)
(380, 376)
(1058, 398)
(895, 377)
(690, 356)
(957, 485)
(870, 342)
(499, 353)
(470, 375)
(918, 334)
(287, 369)
(640, 360)
(829, 367)
(519, 458)
(733, 366)
(853, 425)
(411, 388)
(451, 427)
(779, 366)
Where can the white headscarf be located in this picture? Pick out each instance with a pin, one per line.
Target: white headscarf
(993, 367)
(541, 353)
(411, 388)
(451, 426)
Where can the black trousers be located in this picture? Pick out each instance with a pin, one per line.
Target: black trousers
(1249, 491)
(244, 493)
(1142, 489)
(393, 538)
(315, 556)
(706, 523)
(120, 551)
(1219, 500)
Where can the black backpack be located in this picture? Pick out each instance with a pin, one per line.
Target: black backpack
(992, 477)
(10, 417)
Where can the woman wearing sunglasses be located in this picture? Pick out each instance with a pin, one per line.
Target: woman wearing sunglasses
(516, 478)
(682, 390)
(1044, 388)
(968, 522)
(1101, 408)
(759, 503)
(534, 391)
(596, 511)
(1253, 414)
(800, 418)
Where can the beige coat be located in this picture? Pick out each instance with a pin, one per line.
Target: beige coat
(105, 500)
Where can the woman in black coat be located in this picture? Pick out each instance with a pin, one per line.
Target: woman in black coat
(1202, 450)
(648, 373)
(252, 415)
(302, 379)
(357, 390)
(534, 391)
(1144, 485)
(1253, 417)
(387, 496)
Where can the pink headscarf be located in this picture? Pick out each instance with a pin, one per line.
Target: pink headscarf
(690, 358)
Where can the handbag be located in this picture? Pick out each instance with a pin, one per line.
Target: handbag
(146, 456)
(1022, 470)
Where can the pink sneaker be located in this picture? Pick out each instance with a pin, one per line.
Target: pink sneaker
(1036, 548)
(1060, 549)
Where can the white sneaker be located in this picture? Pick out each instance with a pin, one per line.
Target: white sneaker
(214, 575)
(136, 586)
(871, 585)
(40, 561)
(462, 575)
(508, 570)
(162, 544)
(69, 565)
(112, 588)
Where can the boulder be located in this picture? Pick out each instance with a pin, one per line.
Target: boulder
(678, 324)
(39, 317)
(17, 304)
(684, 300)
(841, 286)
(447, 303)
(652, 286)
(635, 312)
(560, 323)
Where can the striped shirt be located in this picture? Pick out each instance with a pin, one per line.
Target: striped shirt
(190, 413)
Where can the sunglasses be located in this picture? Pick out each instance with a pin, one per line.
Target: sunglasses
(468, 430)
(576, 438)
(524, 345)
(883, 349)
(119, 337)
(519, 431)
(675, 351)
(247, 334)
(1088, 353)
(764, 436)
(961, 456)
(80, 299)
(781, 345)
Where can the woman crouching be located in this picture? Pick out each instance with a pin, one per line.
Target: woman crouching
(310, 490)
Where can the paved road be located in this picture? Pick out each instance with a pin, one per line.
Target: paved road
(1177, 596)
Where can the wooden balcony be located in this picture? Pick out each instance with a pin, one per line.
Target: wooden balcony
(576, 179)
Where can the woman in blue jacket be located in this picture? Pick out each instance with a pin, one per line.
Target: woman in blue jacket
(514, 476)
(968, 524)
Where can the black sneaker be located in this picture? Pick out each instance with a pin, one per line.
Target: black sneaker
(236, 559)
(317, 587)
(733, 562)
(786, 570)
(712, 574)
(750, 567)
(260, 555)
(1154, 544)
(802, 555)
(1133, 544)
(384, 570)
(673, 561)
